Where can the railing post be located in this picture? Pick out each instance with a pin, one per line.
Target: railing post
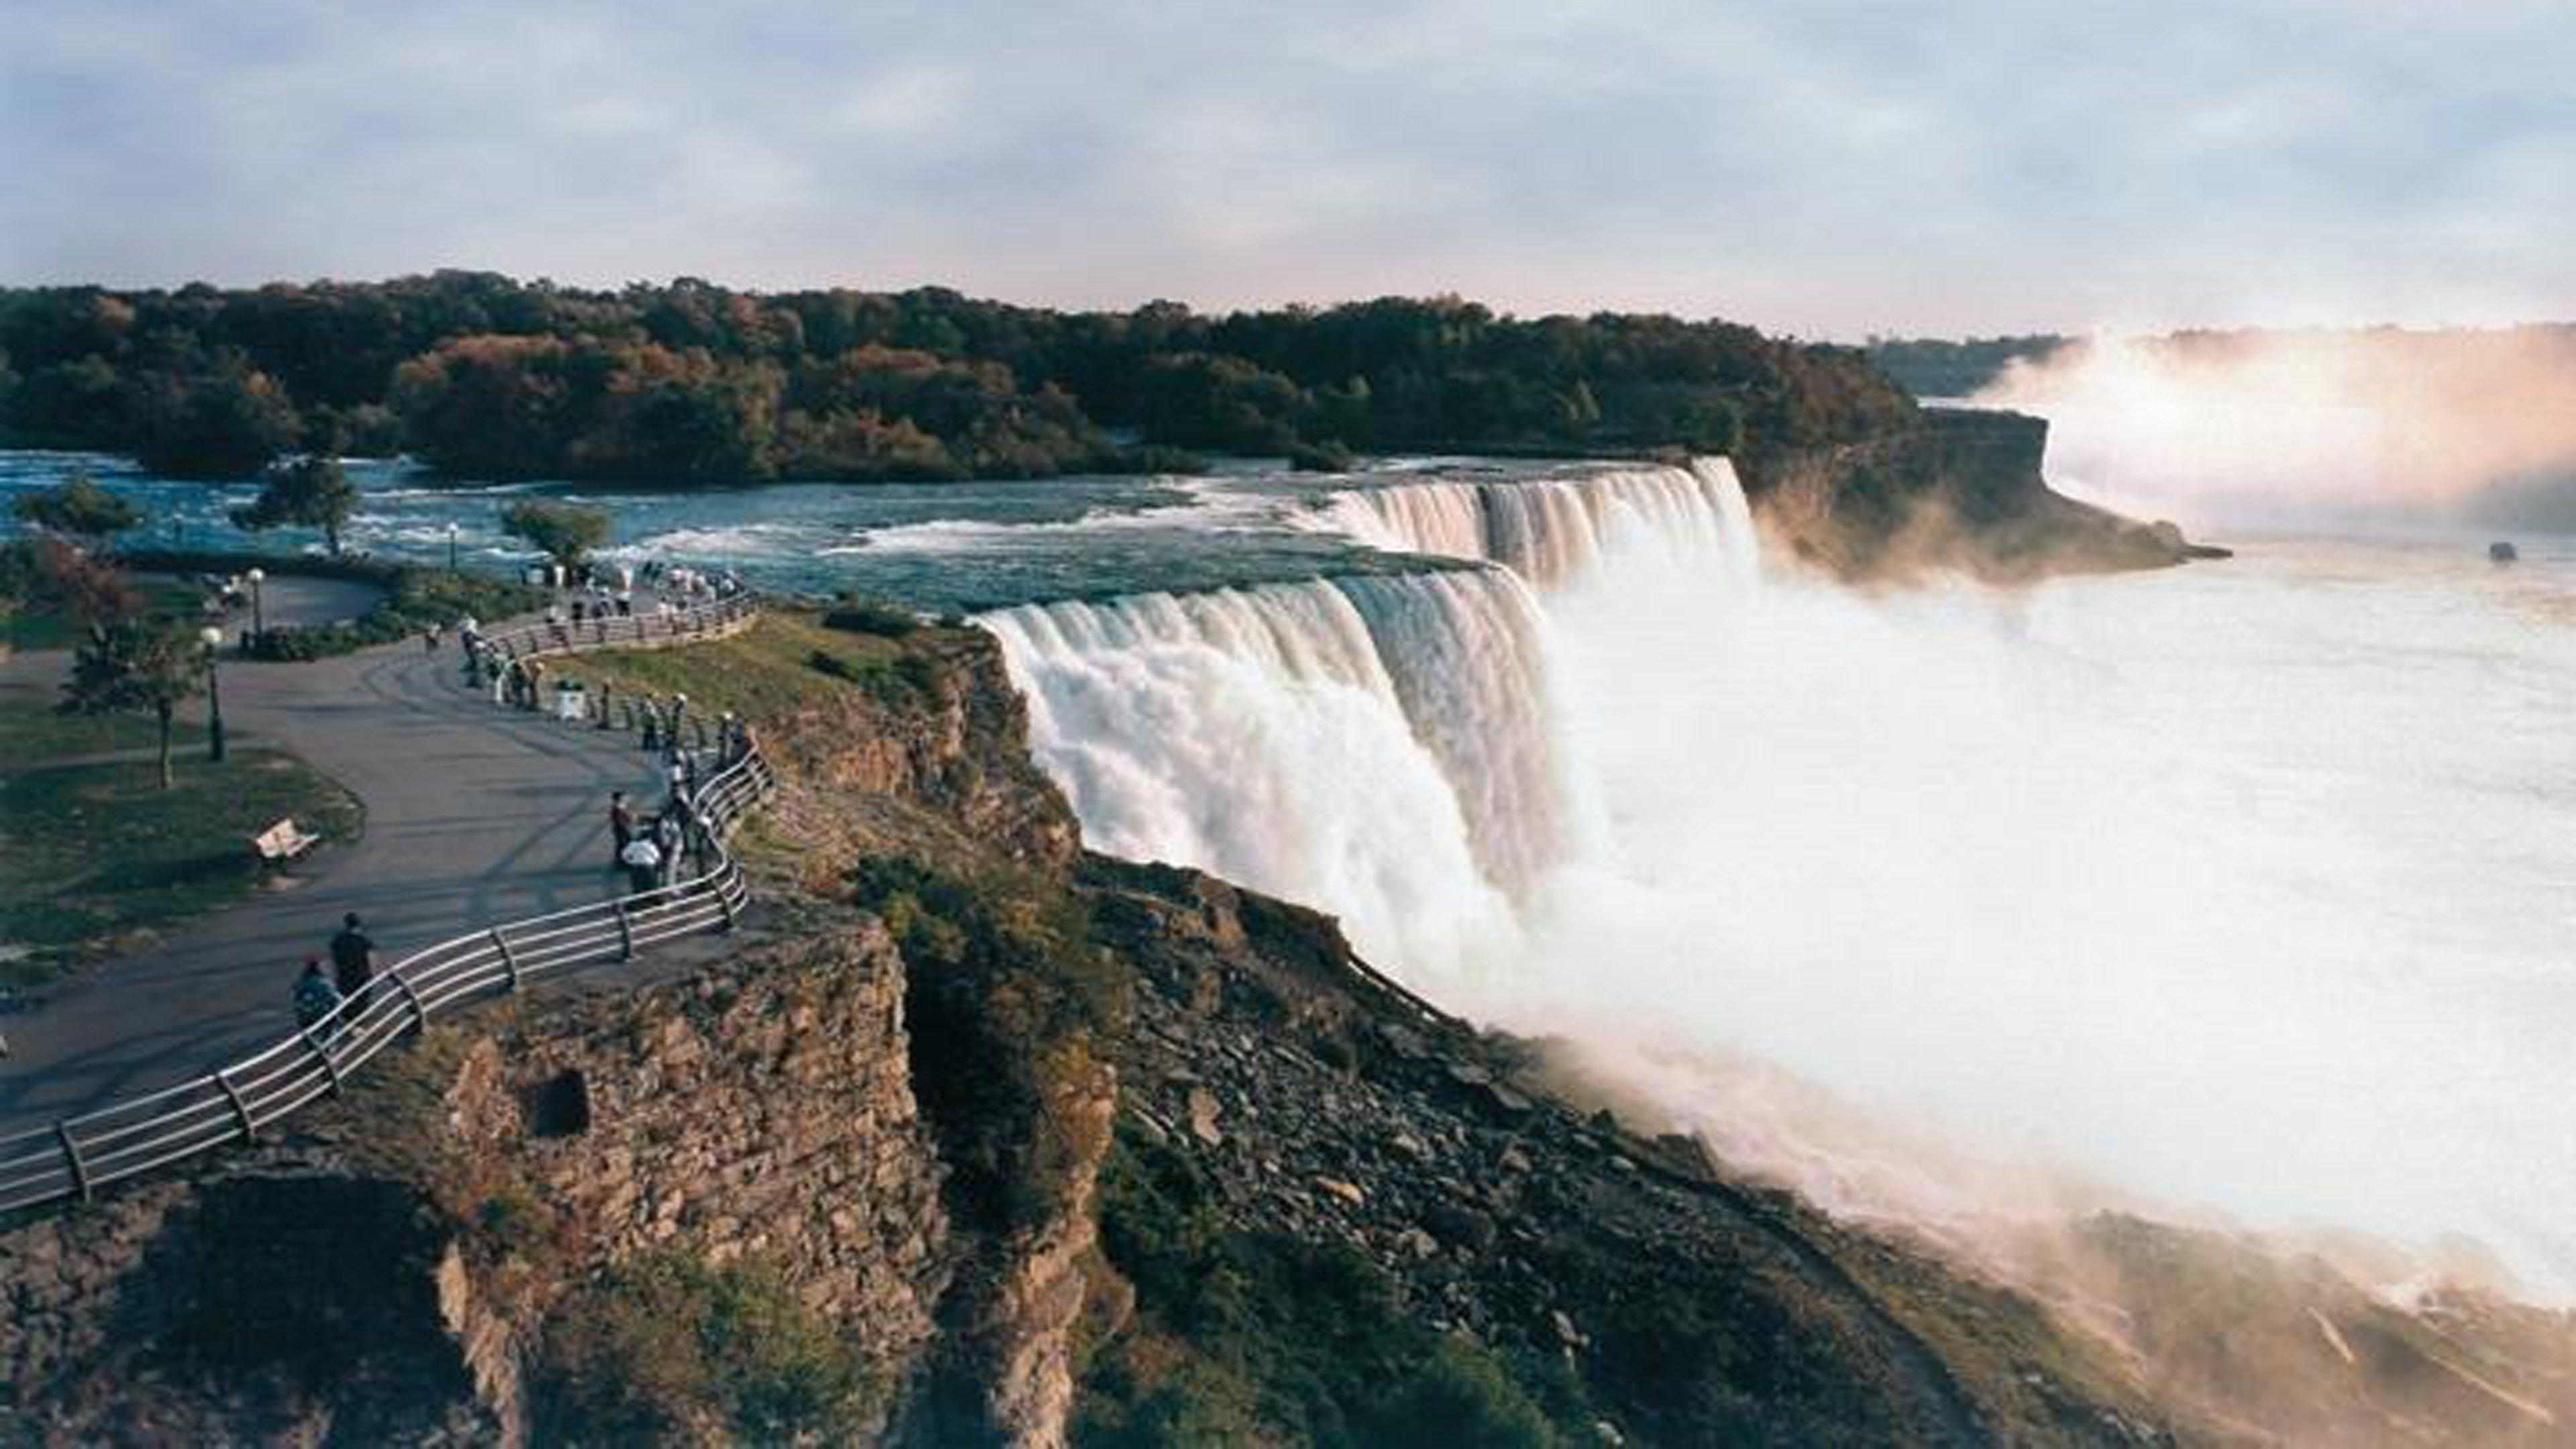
(419, 1013)
(241, 1109)
(329, 1066)
(625, 932)
(509, 959)
(724, 901)
(72, 1158)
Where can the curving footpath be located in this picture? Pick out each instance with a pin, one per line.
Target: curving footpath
(477, 817)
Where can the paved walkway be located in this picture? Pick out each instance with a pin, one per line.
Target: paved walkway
(475, 815)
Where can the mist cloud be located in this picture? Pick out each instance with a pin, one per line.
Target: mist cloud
(2268, 429)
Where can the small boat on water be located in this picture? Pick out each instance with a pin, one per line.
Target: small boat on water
(2502, 552)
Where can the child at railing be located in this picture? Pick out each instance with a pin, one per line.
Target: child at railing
(315, 996)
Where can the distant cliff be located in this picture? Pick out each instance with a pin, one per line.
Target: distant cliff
(1956, 488)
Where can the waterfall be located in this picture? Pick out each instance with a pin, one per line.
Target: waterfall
(1557, 531)
(1377, 747)
(1385, 747)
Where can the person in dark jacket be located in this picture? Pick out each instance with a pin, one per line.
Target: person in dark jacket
(621, 826)
(353, 961)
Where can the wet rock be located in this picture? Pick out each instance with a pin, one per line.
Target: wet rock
(1566, 1333)
(1459, 1226)
(1203, 1117)
(1687, 1153)
(1348, 1192)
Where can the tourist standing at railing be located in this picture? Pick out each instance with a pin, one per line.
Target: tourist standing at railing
(643, 861)
(353, 960)
(315, 996)
(668, 837)
(621, 823)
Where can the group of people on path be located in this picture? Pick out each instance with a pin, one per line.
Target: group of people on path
(648, 850)
(350, 980)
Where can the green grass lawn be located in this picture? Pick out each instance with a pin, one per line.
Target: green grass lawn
(32, 734)
(765, 672)
(91, 855)
(52, 629)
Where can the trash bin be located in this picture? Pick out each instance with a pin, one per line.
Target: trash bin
(572, 701)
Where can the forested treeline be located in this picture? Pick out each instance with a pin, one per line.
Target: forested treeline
(1934, 367)
(480, 375)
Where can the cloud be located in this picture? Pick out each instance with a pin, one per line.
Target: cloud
(1834, 167)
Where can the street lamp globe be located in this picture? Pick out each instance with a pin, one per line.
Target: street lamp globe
(213, 639)
(255, 575)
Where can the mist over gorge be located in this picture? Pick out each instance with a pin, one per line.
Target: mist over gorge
(2384, 428)
(1959, 907)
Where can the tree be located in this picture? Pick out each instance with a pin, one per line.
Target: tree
(564, 532)
(52, 575)
(223, 423)
(79, 508)
(312, 491)
(135, 666)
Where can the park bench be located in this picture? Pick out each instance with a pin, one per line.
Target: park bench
(283, 841)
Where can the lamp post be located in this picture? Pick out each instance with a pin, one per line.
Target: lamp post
(451, 545)
(258, 614)
(213, 639)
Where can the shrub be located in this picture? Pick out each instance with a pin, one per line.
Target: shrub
(1004, 993)
(564, 532)
(667, 1347)
(854, 614)
(1327, 456)
(1243, 1336)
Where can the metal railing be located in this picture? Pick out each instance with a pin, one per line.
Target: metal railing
(609, 631)
(78, 1155)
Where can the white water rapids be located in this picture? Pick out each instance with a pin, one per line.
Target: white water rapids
(2243, 888)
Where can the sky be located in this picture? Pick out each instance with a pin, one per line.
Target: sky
(1831, 168)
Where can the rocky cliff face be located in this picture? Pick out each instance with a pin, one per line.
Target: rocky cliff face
(940, 766)
(1956, 489)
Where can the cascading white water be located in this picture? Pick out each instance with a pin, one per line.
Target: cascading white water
(1557, 531)
(1380, 747)
(1385, 747)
